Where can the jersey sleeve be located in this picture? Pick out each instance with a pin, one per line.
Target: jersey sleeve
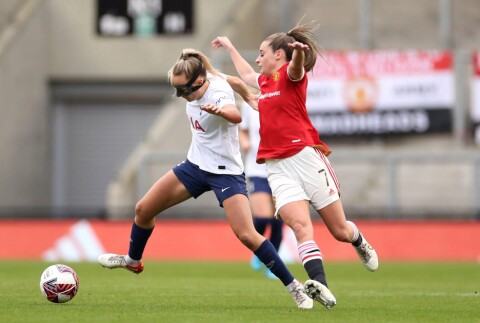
(223, 95)
(258, 79)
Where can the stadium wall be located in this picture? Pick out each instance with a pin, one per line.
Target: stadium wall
(77, 52)
(24, 109)
(84, 240)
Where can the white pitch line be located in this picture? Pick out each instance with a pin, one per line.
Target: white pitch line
(432, 294)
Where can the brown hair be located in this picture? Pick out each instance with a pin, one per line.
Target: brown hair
(301, 33)
(189, 62)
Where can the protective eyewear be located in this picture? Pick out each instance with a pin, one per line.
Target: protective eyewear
(187, 89)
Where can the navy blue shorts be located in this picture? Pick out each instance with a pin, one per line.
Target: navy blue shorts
(258, 184)
(198, 181)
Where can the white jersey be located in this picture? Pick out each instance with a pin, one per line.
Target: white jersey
(215, 147)
(251, 122)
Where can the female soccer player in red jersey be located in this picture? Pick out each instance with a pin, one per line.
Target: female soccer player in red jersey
(213, 164)
(299, 172)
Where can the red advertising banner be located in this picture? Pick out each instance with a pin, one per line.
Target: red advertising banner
(381, 92)
(213, 240)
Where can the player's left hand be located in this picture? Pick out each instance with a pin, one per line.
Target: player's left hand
(211, 108)
(299, 45)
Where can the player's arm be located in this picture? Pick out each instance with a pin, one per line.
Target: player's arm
(241, 88)
(244, 69)
(228, 112)
(295, 67)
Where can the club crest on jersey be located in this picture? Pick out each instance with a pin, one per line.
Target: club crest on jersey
(196, 125)
(276, 76)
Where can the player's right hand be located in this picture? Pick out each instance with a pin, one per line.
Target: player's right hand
(222, 41)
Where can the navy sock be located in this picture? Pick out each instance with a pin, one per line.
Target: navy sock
(315, 271)
(260, 224)
(358, 242)
(138, 241)
(276, 234)
(269, 256)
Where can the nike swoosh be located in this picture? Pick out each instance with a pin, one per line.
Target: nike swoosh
(224, 189)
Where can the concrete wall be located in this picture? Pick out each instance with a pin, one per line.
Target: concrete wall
(24, 110)
(6, 8)
(76, 52)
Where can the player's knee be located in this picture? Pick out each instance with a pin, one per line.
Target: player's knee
(141, 212)
(300, 230)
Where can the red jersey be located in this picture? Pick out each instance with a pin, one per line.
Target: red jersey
(285, 128)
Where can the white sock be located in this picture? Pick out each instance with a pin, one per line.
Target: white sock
(355, 231)
(130, 261)
(292, 285)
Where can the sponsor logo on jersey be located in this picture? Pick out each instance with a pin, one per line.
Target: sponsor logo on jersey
(269, 95)
(220, 100)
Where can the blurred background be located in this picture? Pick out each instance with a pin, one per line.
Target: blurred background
(88, 121)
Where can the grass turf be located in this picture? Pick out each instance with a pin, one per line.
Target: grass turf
(231, 292)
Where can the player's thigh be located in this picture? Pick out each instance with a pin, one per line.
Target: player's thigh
(238, 213)
(239, 217)
(166, 192)
(285, 183)
(262, 205)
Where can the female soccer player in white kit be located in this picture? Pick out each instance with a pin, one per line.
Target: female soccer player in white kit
(299, 172)
(259, 192)
(213, 163)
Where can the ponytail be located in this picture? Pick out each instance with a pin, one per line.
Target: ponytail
(303, 34)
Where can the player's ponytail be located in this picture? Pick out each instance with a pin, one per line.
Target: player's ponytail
(303, 34)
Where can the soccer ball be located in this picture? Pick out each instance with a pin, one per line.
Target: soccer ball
(59, 283)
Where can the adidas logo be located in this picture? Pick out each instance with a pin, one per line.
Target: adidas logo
(331, 192)
(80, 244)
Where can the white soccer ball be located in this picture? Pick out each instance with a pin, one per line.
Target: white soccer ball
(59, 283)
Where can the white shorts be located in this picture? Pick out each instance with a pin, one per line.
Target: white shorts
(307, 175)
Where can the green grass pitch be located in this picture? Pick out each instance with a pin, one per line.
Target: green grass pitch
(232, 292)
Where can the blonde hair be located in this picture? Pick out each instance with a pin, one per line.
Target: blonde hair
(189, 62)
(303, 34)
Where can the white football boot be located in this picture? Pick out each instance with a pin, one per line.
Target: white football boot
(112, 261)
(367, 255)
(297, 291)
(320, 293)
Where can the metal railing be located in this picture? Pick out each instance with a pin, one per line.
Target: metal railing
(393, 162)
